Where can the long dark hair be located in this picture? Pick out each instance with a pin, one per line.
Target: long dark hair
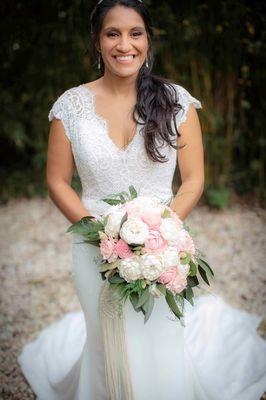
(157, 103)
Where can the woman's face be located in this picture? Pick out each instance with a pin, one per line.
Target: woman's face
(123, 41)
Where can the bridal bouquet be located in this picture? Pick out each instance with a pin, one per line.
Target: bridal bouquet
(146, 251)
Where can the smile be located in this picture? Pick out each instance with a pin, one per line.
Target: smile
(125, 59)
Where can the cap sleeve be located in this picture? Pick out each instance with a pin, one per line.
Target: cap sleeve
(61, 109)
(185, 99)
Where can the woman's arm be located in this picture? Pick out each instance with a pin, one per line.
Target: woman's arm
(59, 172)
(191, 165)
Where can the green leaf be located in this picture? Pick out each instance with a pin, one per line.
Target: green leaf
(189, 294)
(132, 192)
(162, 288)
(203, 275)
(118, 293)
(192, 281)
(169, 297)
(116, 279)
(112, 202)
(143, 297)
(109, 266)
(204, 265)
(193, 269)
(148, 307)
(134, 300)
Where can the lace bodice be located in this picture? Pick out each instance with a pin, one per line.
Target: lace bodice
(105, 169)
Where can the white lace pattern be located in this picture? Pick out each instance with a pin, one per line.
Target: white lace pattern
(105, 169)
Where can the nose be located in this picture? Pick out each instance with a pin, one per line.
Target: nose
(124, 44)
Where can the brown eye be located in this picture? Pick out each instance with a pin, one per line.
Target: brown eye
(136, 34)
(111, 34)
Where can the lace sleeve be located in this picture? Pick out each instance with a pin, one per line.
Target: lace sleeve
(61, 110)
(185, 99)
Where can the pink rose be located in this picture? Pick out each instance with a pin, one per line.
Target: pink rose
(185, 242)
(152, 219)
(123, 249)
(155, 242)
(177, 284)
(108, 249)
(168, 275)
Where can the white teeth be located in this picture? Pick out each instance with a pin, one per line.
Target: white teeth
(126, 58)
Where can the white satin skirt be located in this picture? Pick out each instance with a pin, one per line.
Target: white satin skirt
(217, 356)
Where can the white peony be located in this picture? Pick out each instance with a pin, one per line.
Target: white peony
(171, 257)
(115, 214)
(169, 230)
(148, 203)
(183, 269)
(134, 230)
(130, 269)
(152, 265)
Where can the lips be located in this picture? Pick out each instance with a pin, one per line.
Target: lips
(125, 58)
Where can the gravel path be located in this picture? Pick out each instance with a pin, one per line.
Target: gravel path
(37, 287)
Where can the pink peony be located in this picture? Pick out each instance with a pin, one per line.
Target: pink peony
(185, 242)
(108, 249)
(168, 275)
(155, 242)
(123, 249)
(152, 219)
(177, 284)
(173, 280)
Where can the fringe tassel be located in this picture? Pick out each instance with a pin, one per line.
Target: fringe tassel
(117, 370)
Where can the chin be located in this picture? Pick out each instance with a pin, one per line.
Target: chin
(123, 72)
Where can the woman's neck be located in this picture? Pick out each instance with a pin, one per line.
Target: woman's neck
(118, 86)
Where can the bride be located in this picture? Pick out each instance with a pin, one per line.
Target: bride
(130, 127)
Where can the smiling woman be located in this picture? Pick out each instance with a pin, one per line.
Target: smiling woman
(131, 127)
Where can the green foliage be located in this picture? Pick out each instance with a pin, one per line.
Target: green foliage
(218, 197)
(216, 50)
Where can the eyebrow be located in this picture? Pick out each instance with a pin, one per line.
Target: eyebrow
(117, 29)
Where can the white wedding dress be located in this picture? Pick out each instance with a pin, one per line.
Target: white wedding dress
(217, 356)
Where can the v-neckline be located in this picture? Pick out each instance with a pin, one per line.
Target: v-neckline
(107, 125)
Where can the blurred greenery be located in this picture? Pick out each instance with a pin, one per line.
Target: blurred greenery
(215, 49)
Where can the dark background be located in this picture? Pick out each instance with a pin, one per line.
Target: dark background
(216, 50)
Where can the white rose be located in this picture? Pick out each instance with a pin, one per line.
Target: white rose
(171, 257)
(183, 269)
(169, 230)
(134, 230)
(148, 203)
(115, 214)
(130, 269)
(152, 265)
